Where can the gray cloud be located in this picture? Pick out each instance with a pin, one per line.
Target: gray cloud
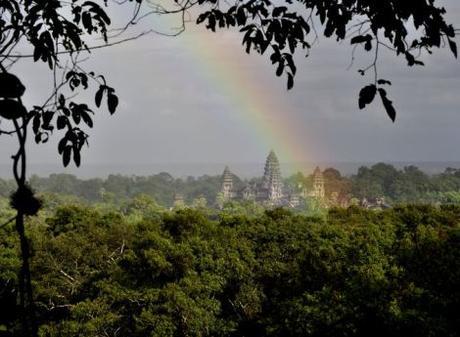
(175, 109)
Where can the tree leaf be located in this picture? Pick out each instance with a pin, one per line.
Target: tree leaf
(61, 122)
(69, 75)
(61, 100)
(76, 115)
(87, 118)
(240, 16)
(290, 81)
(391, 112)
(87, 22)
(410, 59)
(453, 47)
(62, 144)
(361, 39)
(76, 156)
(99, 94)
(36, 122)
(368, 46)
(277, 11)
(367, 95)
(202, 17)
(112, 102)
(280, 68)
(383, 82)
(66, 155)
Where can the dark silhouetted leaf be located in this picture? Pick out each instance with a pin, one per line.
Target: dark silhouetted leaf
(383, 82)
(410, 59)
(76, 115)
(62, 144)
(277, 11)
(361, 39)
(87, 118)
(280, 68)
(36, 123)
(61, 100)
(367, 95)
(202, 17)
(290, 81)
(76, 157)
(453, 47)
(10, 86)
(368, 46)
(112, 102)
(391, 112)
(99, 94)
(61, 122)
(37, 53)
(66, 155)
(87, 22)
(240, 16)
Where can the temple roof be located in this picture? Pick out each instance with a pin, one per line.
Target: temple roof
(272, 167)
(227, 175)
(317, 171)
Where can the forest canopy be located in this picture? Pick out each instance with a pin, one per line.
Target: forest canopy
(407, 185)
(144, 272)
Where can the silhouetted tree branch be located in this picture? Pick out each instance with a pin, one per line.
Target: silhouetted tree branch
(283, 28)
(45, 27)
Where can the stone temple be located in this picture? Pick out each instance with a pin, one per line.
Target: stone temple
(270, 190)
(272, 185)
(318, 184)
(227, 188)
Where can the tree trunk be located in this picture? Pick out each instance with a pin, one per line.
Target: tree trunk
(29, 322)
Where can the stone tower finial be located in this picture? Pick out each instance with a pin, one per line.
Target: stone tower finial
(272, 178)
(227, 184)
(178, 200)
(318, 183)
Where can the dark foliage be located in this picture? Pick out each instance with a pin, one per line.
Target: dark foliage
(357, 273)
(24, 201)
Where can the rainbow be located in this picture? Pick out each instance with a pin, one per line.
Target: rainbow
(261, 109)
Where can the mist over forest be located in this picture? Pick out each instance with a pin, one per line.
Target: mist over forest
(244, 169)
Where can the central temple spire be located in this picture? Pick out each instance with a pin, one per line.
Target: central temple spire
(272, 177)
(227, 188)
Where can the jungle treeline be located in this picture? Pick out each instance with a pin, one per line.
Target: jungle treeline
(407, 185)
(140, 270)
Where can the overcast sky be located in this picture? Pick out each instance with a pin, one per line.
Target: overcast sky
(177, 107)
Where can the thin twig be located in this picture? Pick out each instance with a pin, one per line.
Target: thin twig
(8, 222)
(88, 48)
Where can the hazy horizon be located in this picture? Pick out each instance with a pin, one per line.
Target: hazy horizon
(241, 169)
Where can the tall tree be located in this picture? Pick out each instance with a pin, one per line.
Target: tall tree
(52, 34)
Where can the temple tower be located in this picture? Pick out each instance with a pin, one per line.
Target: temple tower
(178, 201)
(318, 184)
(272, 178)
(227, 189)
